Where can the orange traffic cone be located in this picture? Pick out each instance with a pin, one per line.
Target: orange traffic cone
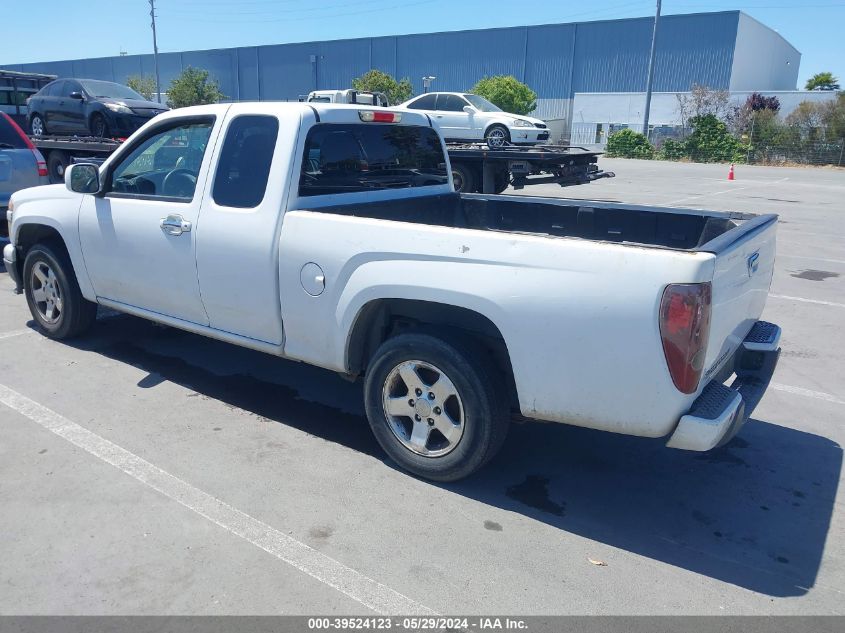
(731, 173)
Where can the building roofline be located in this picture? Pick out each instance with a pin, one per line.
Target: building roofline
(395, 35)
(768, 28)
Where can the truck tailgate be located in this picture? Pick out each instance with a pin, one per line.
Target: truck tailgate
(745, 259)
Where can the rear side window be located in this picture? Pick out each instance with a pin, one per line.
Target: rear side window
(244, 163)
(423, 103)
(10, 138)
(347, 158)
(53, 90)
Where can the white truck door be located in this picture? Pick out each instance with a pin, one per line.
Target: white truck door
(243, 204)
(139, 239)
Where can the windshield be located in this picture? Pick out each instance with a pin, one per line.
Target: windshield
(482, 104)
(109, 90)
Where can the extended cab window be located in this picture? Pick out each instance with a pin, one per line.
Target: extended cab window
(245, 161)
(165, 164)
(344, 158)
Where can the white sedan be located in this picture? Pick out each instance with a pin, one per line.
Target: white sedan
(468, 117)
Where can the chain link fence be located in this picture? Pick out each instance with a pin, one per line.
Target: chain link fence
(819, 153)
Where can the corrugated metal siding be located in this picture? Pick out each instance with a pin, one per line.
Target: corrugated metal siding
(613, 56)
(460, 59)
(555, 60)
(548, 67)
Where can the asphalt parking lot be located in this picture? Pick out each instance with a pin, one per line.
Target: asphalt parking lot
(144, 470)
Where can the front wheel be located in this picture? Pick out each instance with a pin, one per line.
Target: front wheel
(52, 294)
(98, 126)
(437, 408)
(497, 137)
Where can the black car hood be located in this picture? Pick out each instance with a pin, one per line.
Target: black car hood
(136, 103)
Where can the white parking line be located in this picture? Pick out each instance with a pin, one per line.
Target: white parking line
(15, 333)
(719, 193)
(815, 259)
(809, 393)
(361, 588)
(803, 300)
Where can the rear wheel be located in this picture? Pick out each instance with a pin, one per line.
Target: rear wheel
(36, 124)
(57, 163)
(52, 294)
(463, 178)
(436, 407)
(98, 125)
(501, 180)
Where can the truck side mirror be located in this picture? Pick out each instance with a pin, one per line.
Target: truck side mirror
(83, 178)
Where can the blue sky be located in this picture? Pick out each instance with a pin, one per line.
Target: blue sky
(814, 27)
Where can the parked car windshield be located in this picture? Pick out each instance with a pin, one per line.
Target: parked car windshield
(482, 104)
(109, 90)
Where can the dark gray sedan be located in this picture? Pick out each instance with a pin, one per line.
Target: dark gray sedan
(21, 165)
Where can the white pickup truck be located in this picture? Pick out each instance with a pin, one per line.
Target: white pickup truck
(331, 235)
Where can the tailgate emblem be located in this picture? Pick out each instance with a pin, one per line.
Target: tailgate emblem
(753, 263)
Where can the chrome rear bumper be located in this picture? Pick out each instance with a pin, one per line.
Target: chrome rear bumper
(719, 412)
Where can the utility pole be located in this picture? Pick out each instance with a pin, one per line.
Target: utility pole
(650, 79)
(155, 48)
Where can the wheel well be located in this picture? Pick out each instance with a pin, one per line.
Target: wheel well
(31, 234)
(383, 318)
(492, 125)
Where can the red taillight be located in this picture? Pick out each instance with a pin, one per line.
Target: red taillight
(368, 116)
(684, 329)
(39, 161)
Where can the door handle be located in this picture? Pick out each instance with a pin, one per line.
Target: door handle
(175, 225)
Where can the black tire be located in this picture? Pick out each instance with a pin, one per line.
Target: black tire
(98, 125)
(463, 177)
(35, 123)
(501, 180)
(76, 314)
(57, 163)
(497, 136)
(485, 407)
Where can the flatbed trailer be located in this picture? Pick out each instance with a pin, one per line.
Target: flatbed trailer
(478, 169)
(475, 167)
(61, 151)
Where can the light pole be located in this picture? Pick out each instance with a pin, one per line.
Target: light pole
(155, 48)
(427, 82)
(650, 79)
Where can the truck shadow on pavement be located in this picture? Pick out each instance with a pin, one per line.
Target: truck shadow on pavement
(753, 514)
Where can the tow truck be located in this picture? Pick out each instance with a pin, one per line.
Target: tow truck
(475, 167)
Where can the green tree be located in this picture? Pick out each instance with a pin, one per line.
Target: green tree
(833, 116)
(145, 85)
(672, 149)
(822, 81)
(711, 141)
(629, 144)
(193, 86)
(507, 92)
(377, 81)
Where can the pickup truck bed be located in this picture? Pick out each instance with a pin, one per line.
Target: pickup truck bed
(679, 229)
